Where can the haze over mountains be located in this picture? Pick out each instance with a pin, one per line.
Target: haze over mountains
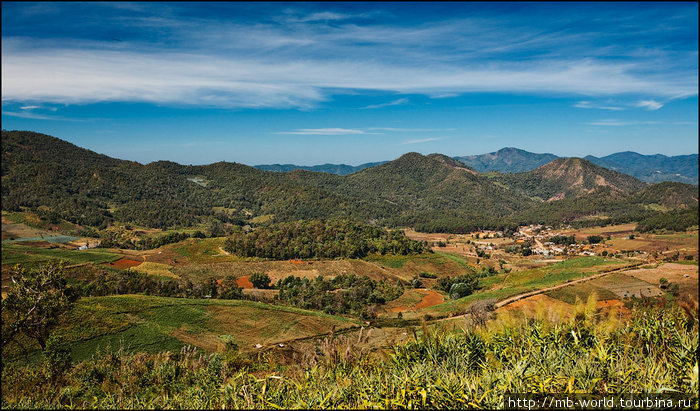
(433, 192)
(650, 168)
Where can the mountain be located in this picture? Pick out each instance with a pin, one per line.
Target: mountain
(506, 160)
(649, 168)
(652, 168)
(568, 177)
(576, 176)
(339, 169)
(58, 180)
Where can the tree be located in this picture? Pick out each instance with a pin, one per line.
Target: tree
(594, 239)
(260, 280)
(459, 290)
(35, 301)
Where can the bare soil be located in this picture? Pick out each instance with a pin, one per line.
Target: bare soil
(123, 263)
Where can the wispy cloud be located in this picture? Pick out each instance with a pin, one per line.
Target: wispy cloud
(620, 123)
(324, 131)
(325, 15)
(396, 102)
(402, 129)
(649, 104)
(36, 116)
(421, 140)
(589, 104)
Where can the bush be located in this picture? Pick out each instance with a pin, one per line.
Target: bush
(460, 290)
(416, 283)
(260, 280)
(594, 239)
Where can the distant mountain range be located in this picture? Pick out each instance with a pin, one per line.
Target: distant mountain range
(340, 169)
(650, 168)
(59, 180)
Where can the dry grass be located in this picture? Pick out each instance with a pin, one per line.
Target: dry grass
(150, 268)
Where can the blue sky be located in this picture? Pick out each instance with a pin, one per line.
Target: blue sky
(310, 83)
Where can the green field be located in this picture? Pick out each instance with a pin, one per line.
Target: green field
(399, 261)
(154, 324)
(13, 253)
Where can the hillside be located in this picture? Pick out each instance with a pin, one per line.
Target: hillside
(577, 176)
(152, 324)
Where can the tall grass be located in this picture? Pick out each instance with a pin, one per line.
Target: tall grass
(654, 351)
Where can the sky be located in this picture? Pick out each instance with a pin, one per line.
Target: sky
(314, 83)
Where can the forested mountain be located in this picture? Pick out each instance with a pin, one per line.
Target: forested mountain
(649, 168)
(435, 193)
(654, 168)
(506, 160)
(339, 169)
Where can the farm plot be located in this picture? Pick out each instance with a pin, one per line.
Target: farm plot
(626, 286)
(14, 253)
(414, 299)
(675, 273)
(153, 324)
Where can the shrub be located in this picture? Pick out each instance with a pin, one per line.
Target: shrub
(260, 280)
(594, 239)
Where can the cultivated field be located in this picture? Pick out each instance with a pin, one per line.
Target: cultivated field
(152, 324)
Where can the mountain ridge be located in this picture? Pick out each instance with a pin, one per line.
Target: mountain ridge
(652, 168)
(432, 192)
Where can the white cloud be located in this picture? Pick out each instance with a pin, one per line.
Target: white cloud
(391, 103)
(422, 140)
(649, 104)
(29, 107)
(324, 131)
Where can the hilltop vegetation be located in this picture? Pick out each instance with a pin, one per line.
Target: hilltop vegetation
(317, 239)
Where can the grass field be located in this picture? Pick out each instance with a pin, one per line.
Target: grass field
(154, 324)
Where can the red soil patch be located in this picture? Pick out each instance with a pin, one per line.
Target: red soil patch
(431, 298)
(124, 263)
(244, 282)
(400, 308)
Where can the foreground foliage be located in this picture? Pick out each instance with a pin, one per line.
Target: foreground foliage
(655, 351)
